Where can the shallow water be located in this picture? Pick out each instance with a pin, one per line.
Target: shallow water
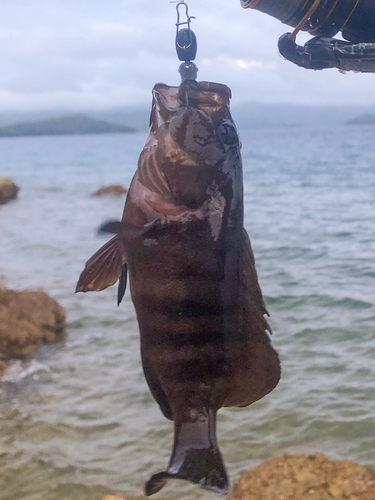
(78, 421)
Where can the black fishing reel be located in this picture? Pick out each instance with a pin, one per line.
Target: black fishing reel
(324, 19)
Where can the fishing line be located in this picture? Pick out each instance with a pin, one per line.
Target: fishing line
(317, 28)
(303, 21)
(352, 12)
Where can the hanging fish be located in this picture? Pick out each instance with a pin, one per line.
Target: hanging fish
(204, 340)
(193, 282)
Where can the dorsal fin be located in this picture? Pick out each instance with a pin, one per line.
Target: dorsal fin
(251, 292)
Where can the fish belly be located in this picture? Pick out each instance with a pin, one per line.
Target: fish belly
(176, 283)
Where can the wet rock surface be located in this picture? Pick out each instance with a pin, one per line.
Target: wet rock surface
(305, 477)
(113, 190)
(8, 190)
(28, 319)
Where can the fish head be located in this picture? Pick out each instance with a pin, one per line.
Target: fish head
(201, 108)
(192, 136)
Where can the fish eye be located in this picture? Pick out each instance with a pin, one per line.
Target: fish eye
(228, 133)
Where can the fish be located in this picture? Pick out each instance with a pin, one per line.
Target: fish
(204, 336)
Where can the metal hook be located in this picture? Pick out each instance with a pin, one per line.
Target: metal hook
(186, 43)
(188, 18)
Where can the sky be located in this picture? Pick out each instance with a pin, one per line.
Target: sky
(96, 54)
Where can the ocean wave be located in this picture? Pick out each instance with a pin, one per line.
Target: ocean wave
(20, 370)
(326, 301)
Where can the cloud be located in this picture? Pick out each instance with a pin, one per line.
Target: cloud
(95, 54)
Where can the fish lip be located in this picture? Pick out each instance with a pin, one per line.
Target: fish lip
(169, 99)
(204, 94)
(217, 88)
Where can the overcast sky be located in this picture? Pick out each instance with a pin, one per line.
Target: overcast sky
(96, 54)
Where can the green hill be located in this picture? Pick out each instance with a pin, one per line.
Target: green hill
(75, 124)
(368, 119)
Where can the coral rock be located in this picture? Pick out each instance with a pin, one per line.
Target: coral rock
(27, 320)
(305, 477)
(8, 190)
(114, 190)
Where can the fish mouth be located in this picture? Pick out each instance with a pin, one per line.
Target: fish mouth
(206, 96)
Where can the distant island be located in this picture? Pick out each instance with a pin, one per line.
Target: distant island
(75, 124)
(368, 119)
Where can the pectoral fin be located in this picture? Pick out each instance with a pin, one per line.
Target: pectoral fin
(107, 265)
(103, 269)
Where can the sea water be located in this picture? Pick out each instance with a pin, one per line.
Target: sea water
(77, 421)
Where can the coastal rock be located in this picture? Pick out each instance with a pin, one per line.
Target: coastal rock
(111, 497)
(8, 190)
(3, 367)
(113, 190)
(305, 477)
(28, 319)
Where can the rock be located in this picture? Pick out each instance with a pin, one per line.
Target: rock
(305, 477)
(3, 367)
(27, 320)
(8, 190)
(110, 497)
(113, 190)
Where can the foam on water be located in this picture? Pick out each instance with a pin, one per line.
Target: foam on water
(79, 422)
(19, 370)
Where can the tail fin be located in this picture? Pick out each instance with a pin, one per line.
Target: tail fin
(195, 457)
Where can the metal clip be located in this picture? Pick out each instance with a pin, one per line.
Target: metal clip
(186, 44)
(188, 18)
